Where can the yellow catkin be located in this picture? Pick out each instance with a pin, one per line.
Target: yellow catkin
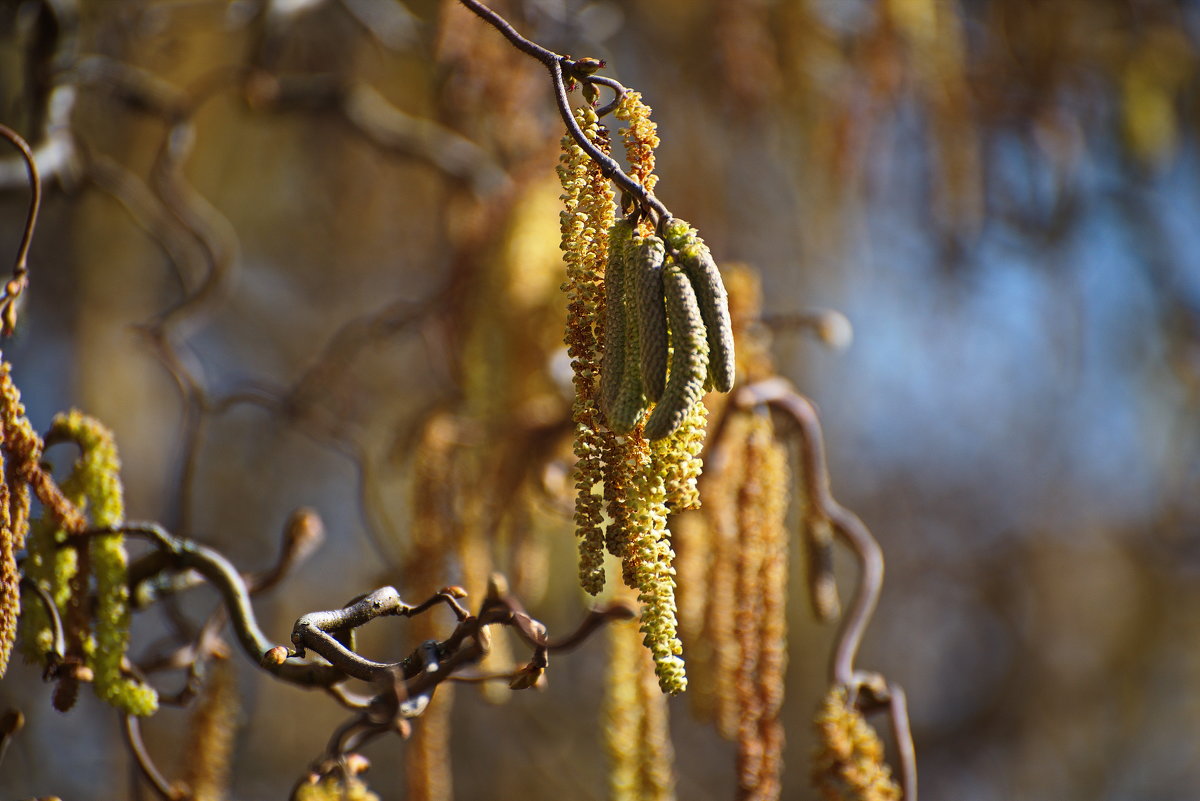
(618, 477)
(637, 733)
(681, 460)
(586, 219)
(640, 138)
(211, 735)
(650, 555)
(333, 789)
(96, 479)
(848, 763)
(22, 449)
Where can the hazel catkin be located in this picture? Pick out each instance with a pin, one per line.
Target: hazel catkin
(689, 357)
(698, 264)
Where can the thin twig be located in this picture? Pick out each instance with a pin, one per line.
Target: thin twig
(559, 68)
(20, 278)
(132, 727)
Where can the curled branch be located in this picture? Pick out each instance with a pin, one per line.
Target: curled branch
(865, 686)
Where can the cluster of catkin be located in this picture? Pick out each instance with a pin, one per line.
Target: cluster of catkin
(659, 305)
(647, 332)
(848, 764)
(87, 579)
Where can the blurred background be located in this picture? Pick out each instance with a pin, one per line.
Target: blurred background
(305, 253)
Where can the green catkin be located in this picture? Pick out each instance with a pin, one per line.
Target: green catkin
(96, 477)
(51, 567)
(630, 405)
(700, 267)
(647, 265)
(689, 356)
(613, 364)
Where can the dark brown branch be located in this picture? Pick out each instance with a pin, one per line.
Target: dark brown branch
(185, 554)
(561, 68)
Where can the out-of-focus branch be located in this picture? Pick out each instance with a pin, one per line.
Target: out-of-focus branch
(132, 727)
(11, 722)
(20, 277)
(867, 688)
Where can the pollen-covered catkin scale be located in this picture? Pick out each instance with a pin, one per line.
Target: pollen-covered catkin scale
(647, 264)
(648, 561)
(689, 357)
(682, 464)
(700, 267)
(641, 138)
(586, 218)
(613, 365)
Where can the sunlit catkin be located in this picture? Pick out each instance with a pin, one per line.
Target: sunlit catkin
(586, 220)
(640, 138)
(680, 454)
(96, 478)
(22, 449)
(649, 558)
(646, 263)
(689, 356)
(697, 262)
(848, 763)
